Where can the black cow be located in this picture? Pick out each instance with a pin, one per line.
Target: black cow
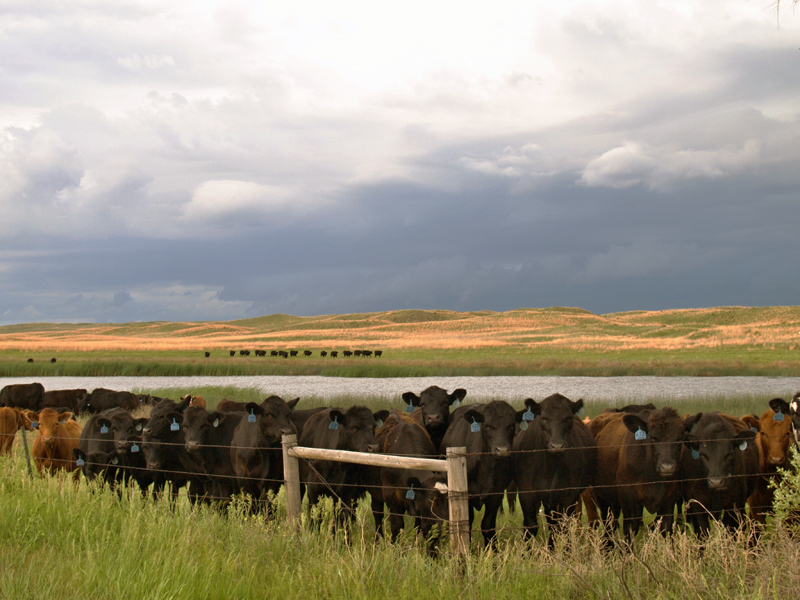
(208, 438)
(52, 360)
(256, 451)
(422, 494)
(261, 352)
(357, 353)
(300, 417)
(352, 430)
(283, 354)
(334, 353)
(324, 353)
(433, 412)
(244, 352)
(30, 360)
(102, 399)
(273, 353)
(794, 412)
(292, 352)
(233, 352)
(97, 464)
(29, 396)
(487, 432)
(208, 354)
(67, 398)
(307, 352)
(378, 353)
(347, 353)
(366, 353)
(554, 460)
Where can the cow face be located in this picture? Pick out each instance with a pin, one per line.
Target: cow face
(497, 424)
(50, 426)
(126, 431)
(557, 416)
(435, 404)
(794, 411)
(776, 432)
(427, 499)
(198, 425)
(272, 417)
(160, 436)
(716, 443)
(662, 433)
(356, 428)
(96, 464)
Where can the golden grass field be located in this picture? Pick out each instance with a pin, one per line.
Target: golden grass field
(564, 328)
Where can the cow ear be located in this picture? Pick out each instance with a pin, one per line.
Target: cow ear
(473, 416)
(253, 408)
(794, 405)
(577, 406)
(139, 424)
(533, 406)
(691, 441)
(337, 415)
(103, 422)
(752, 421)
(779, 405)
(458, 394)
(380, 417)
(216, 418)
(634, 423)
(184, 403)
(689, 423)
(413, 482)
(174, 416)
(64, 417)
(78, 453)
(292, 403)
(411, 398)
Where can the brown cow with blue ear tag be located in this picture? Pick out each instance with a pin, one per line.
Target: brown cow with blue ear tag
(431, 409)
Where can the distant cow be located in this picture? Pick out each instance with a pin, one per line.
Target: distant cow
(433, 412)
(256, 451)
(52, 446)
(378, 353)
(68, 398)
(102, 399)
(292, 352)
(52, 360)
(336, 429)
(334, 353)
(273, 353)
(324, 353)
(261, 352)
(233, 352)
(306, 352)
(30, 360)
(357, 353)
(366, 353)
(554, 460)
(773, 440)
(244, 352)
(720, 469)
(283, 354)
(208, 354)
(487, 432)
(347, 353)
(638, 467)
(29, 396)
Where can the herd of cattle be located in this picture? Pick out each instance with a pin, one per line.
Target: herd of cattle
(620, 463)
(292, 353)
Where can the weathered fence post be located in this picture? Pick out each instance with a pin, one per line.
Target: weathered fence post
(458, 497)
(27, 453)
(291, 477)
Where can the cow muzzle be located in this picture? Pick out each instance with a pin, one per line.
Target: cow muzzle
(667, 469)
(502, 451)
(717, 483)
(777, 461)
(372, 448)
(555, 446)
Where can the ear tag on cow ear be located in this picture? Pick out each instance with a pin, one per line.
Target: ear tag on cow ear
(640, 434)
(379, 423)
(695, 455)
(35, 424)
(135, 448)
(581, 413)
(411, 494)
(334, 424)
(753, 429)
(778, 416)
(251, 418)
(456, 403)
(528, 415)
(216, 422)
(104, 429)
(523, 425)
(409, 408)
(475, 427)
(743, 446)
(174, 425)
(80, 462)
(115, 461)
(138, 427)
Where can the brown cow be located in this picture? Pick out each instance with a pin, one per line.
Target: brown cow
(22, 395)
(9, 423)
(52, 447)
(773, 440)
(67, 398)
(197, 401)
(638, 467)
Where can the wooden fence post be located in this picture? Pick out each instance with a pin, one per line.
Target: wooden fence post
(291, 477)
(458, 499)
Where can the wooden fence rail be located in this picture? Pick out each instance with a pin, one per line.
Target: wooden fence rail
(455, 466)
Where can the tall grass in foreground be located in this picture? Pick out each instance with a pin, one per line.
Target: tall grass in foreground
(62, 540)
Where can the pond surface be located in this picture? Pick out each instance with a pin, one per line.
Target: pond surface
(626, 389)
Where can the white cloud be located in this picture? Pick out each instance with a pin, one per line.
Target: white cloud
(246, 201)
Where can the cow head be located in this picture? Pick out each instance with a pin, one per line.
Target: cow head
(126, 431)
(776, 432)
(662, 433)
(272, 417)
(496, 423)
(50, 426)
(97, 463)
(197, 426)
(161, 435)
(356, 428)
(715, 443)
(435, 404)
(426, 499)
(557, 417)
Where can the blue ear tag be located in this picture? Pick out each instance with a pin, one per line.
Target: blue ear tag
(104, 429)
(35, 424)
(523, 425)
(640, 434)
(456, 403)
(334, 424)
(135, 448)
(695, 455)
(753, 429)
(528, 415)
(778, 416)
(409, 408)
(251, 418)
(80, 462)
(410, 494)
(174, 426)
(743, 446)
(581, 413)
(475, 427)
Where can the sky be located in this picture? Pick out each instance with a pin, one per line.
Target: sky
(164, 160)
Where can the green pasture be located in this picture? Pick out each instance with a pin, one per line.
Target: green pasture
(419, 362)
(72, 540)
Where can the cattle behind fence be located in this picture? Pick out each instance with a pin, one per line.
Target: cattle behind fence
(455, 466)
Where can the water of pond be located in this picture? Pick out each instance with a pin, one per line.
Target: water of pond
(622, 389)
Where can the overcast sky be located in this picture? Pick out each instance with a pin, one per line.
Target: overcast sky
(164, 160)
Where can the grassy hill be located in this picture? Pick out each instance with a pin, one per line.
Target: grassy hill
(566, 341)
